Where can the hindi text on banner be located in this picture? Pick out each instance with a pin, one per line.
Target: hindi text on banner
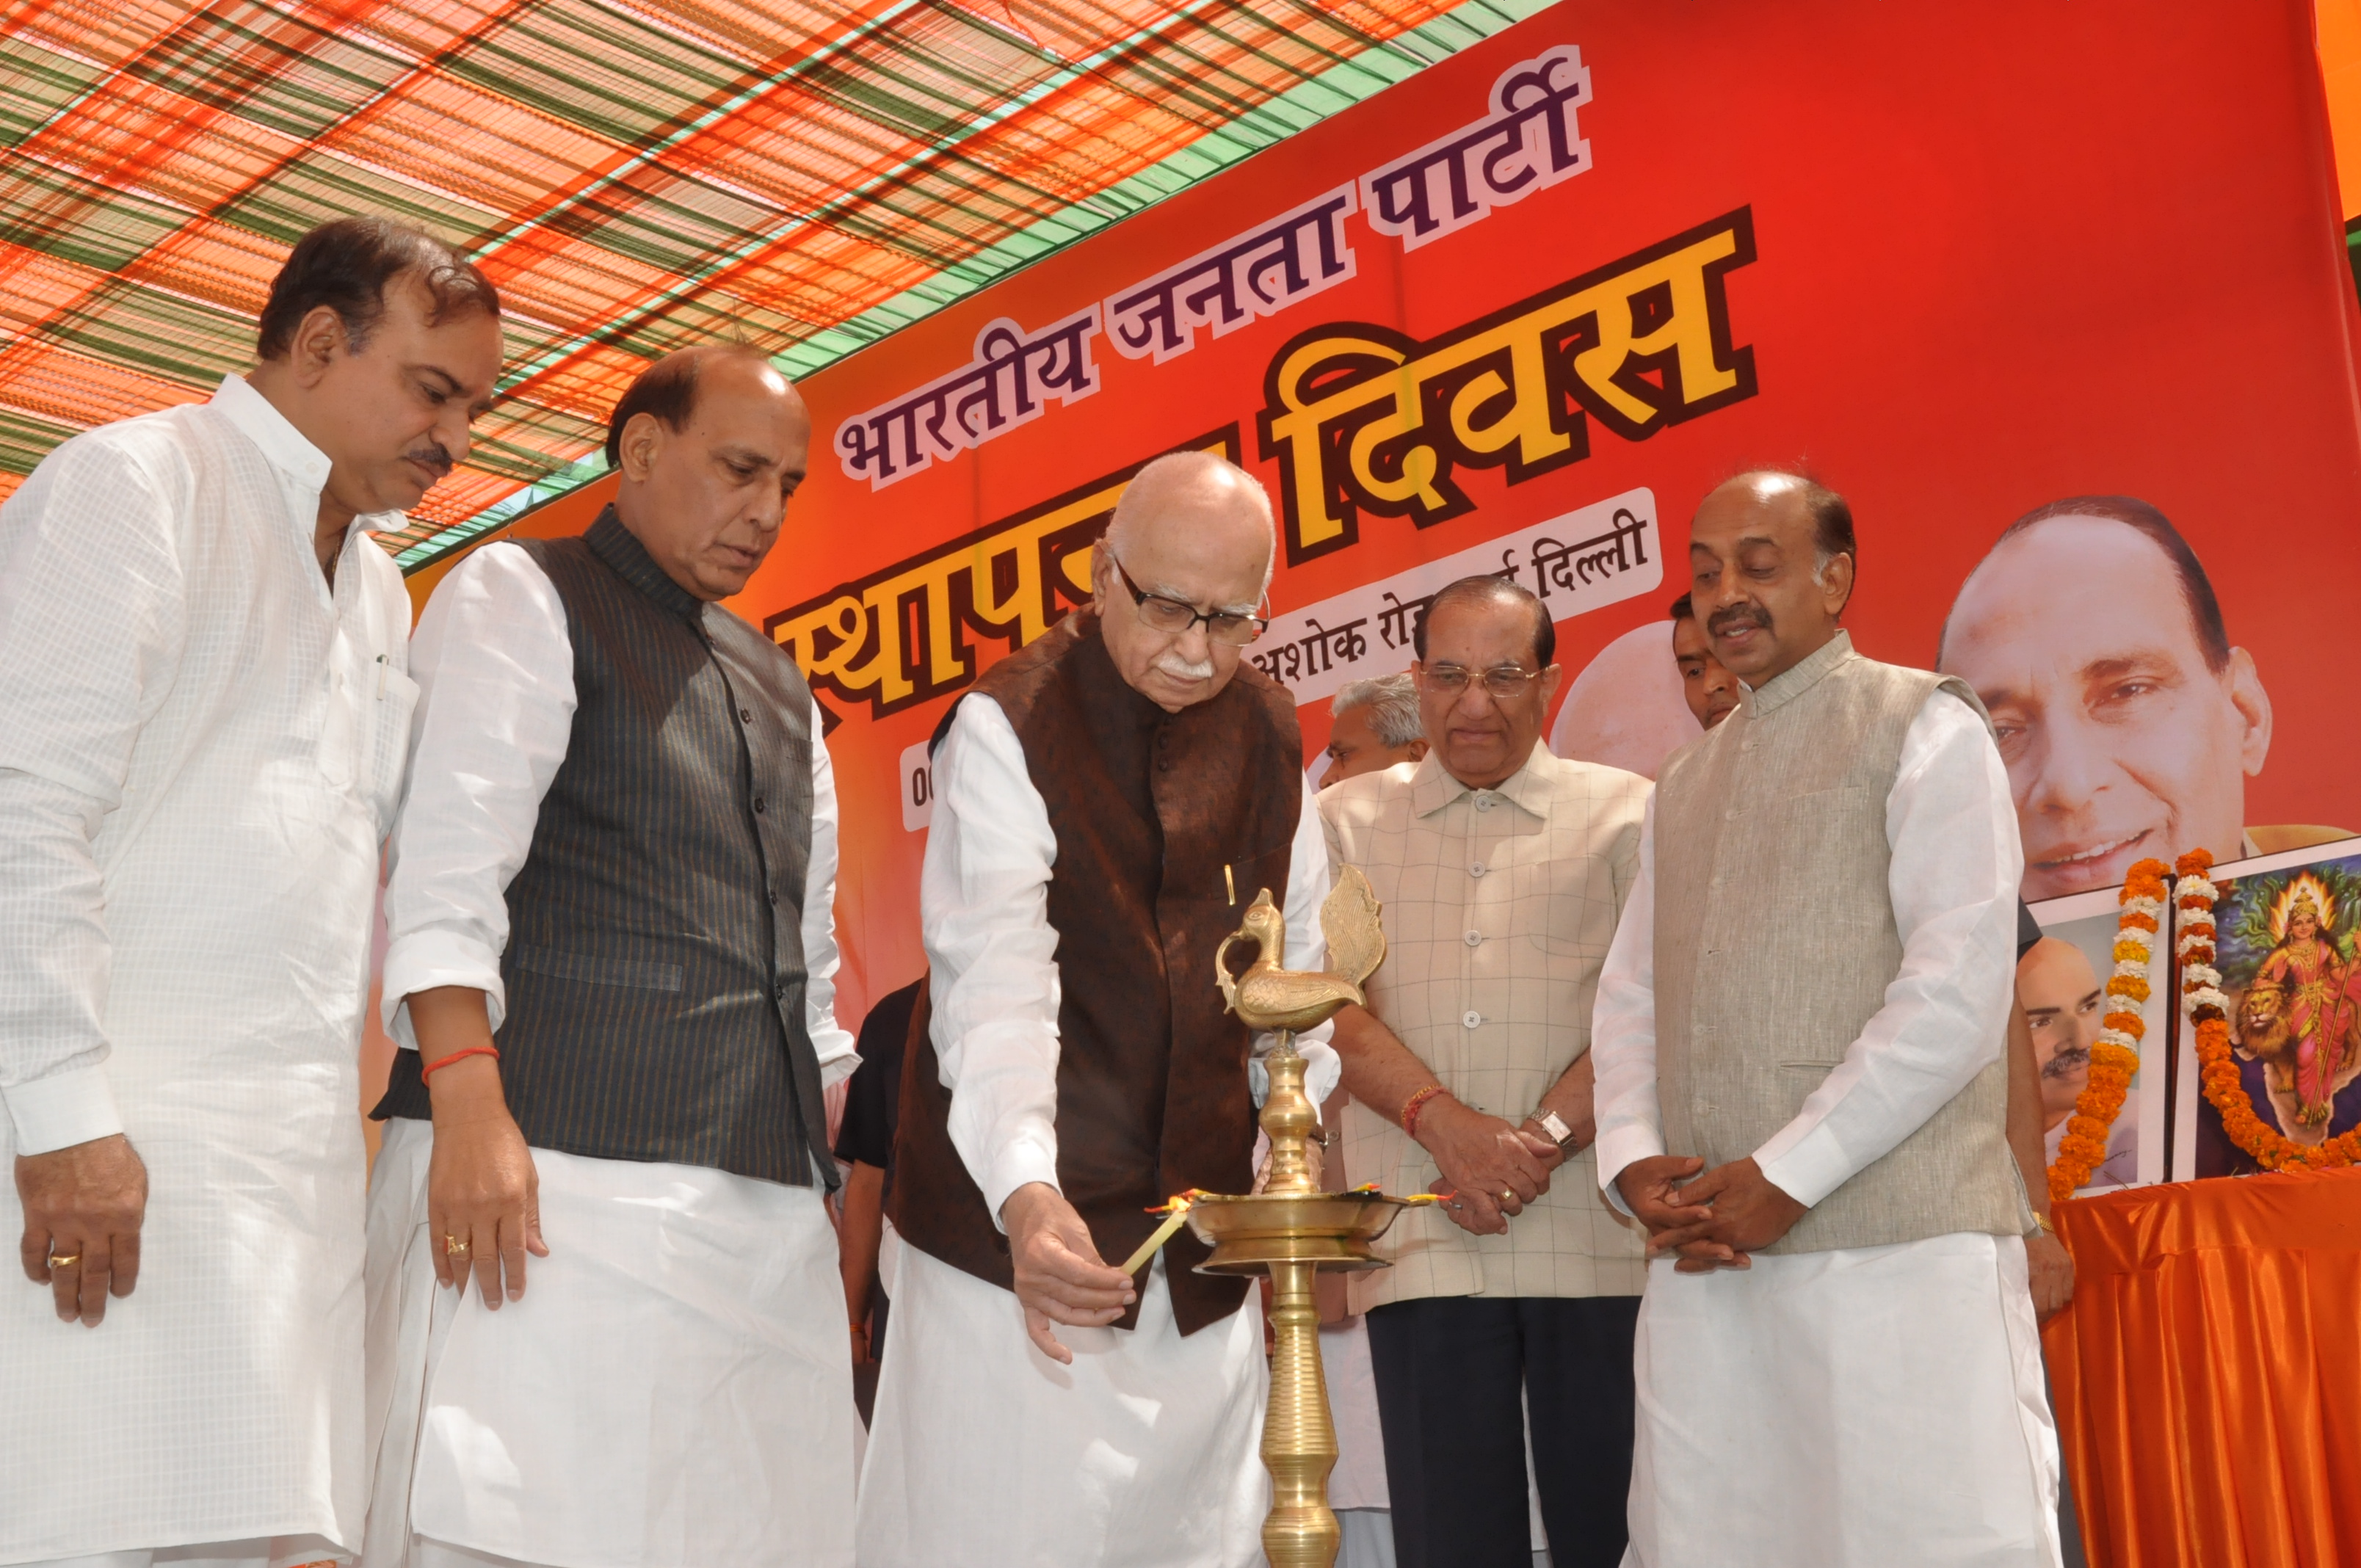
(1599, 554)
(1363, 418)
(898, 636)
(1249, 276)
(1528, 143)
(1009, 381)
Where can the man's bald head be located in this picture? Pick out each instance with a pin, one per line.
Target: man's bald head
(1200, 491)
(1194, 529)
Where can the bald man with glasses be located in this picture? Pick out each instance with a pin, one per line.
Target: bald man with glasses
(1108, 801)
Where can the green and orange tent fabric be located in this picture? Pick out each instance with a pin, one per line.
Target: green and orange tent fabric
(634, 176)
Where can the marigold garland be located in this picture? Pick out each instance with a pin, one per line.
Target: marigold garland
(2209, 1014)
(2115, 1058)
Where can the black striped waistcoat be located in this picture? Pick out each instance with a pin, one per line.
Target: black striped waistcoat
(655, 970)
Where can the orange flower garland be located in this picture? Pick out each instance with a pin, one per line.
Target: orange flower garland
(2115, 1058)
(2209, 1013)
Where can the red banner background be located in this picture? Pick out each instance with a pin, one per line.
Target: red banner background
(2003, 255)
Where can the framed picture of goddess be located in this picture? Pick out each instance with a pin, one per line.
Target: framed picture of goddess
(2288, 946)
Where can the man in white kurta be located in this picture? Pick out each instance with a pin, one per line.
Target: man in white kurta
(202, 720)
(1047, 1424)
(1798, 1036)
(617, 861)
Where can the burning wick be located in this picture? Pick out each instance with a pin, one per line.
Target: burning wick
(1176, 1215)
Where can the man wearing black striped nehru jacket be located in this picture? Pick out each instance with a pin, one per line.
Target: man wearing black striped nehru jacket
(613, 969)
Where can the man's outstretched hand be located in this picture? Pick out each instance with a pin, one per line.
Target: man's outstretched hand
(1744, 1214)
(84, 1206)
(1061, 1278)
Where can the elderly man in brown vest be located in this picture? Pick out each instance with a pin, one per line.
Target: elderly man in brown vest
(1107, 803)
(1802, 1092)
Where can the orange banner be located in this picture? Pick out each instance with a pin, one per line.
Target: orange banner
(1517, 315)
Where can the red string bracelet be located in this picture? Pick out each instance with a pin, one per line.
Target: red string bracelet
(1416, 1104)
(433, 1067)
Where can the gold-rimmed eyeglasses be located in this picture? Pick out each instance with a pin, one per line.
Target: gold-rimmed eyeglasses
(1173, 617)
(1503, 681)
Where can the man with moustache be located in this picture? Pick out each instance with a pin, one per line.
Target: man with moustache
(2128, 721)
(1108, 802)
(1802, 1095)
(612, 976)
(1709, 689)
(1508, 1311)
(2063, 1003)
(204, 716)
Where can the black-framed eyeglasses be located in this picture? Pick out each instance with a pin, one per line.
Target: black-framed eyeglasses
(1172, 617)
(1503, 681)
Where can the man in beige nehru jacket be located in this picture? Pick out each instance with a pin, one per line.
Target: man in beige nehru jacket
(1802, 1095)
(1502, 870)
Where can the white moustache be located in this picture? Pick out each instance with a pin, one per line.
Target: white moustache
(1181, 669)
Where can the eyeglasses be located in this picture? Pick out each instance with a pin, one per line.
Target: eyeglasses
(1503, 681)
(1172, 617)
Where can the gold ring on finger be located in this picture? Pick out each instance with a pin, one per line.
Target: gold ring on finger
(64, 1260)
(454, 1247)
(1507, 1195)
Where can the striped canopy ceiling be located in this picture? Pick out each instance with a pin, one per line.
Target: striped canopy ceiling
(634, 174)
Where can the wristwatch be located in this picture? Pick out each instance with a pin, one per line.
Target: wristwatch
(1554, 1129)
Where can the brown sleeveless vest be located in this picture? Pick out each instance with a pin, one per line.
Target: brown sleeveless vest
(1150, 809)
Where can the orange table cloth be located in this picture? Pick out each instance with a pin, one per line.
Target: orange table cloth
(2208, 1375)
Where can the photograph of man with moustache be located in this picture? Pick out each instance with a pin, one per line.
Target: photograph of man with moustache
(2130, 723)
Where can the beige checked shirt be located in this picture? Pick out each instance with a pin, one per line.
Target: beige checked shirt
(1500, 905)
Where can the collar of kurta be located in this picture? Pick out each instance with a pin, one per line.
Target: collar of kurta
(620, 548)
(1793, 683)
(284, 446)
(1432, 788)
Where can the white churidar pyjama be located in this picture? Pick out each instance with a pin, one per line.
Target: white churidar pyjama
(1143, 1453)
(1857, 1408)
(674, 1388)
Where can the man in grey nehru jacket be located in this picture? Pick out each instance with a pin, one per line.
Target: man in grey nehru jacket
(613, 969)
(1802, 1093)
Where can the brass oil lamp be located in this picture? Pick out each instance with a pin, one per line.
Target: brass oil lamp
(1289, 1231)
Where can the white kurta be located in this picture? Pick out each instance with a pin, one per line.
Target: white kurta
(1865, 1407)
(200, 748)
(983, 1451)
(674, 1387)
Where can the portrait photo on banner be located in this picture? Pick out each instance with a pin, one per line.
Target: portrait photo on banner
(2288, 946)
(2131, 720)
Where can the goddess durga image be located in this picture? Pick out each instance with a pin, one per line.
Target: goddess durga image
(2302, 1014)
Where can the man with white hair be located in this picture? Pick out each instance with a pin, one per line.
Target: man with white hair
(1377, 725)
(1108, 802)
